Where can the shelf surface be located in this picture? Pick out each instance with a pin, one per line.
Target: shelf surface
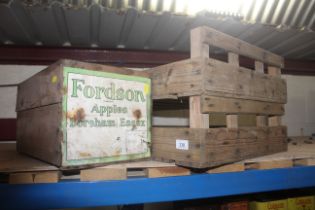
(71, 194)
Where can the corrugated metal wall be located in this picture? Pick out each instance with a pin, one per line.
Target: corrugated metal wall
(281, 26)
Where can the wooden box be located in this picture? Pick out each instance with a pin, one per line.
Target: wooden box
(214, 86)
(75, 114)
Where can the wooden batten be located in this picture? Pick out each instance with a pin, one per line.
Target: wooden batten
(216, 104)
(274, 121)
(103, 173)
(196, 118)
(261, 121)
(259, 67)
(232, 121)
(34, 177)
(232, 44)
(167, 171)
(233, 59)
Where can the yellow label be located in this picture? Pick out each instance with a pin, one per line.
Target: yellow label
(54, 79)
(146, 89)
(301, 203)
(270, 205)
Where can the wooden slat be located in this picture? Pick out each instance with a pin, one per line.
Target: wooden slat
(197, 46)
(182, 78)
(34, 177)
(233, 59)
(95, 174)
(233, 105)
(232, 121)
(196, 118)
(305, 161)
(232, 44)
(259, 67)
(274, 121)
(225, 80)
(216, 146)
(216, 78)
(234, 167)
(270, 164)
(274, 71)
(167, 171)
(261, 121)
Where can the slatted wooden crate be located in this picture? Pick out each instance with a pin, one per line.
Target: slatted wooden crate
(215, 86)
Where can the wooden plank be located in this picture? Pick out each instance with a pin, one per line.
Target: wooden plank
(232, 44)
(167, 171)
(233, 58)
(232, 121)
(96, 174)
(197, 46)
(34, 177)
(261, 121)
(274, 121)
(270, 164)
(11, 161)
(140, 164)
(234, 167)
(46, 87)
(182, 78)
(39, 129)
(234, 106)
(196, 118)
(274, 71)
(216, 146)
(225, 80)
(305, 161)
(259, 67)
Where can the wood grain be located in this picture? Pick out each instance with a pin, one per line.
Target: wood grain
(218, 39)
(39, 134)
(238, 106)
(96, 174)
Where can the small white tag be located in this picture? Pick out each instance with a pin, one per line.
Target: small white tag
(182, 144)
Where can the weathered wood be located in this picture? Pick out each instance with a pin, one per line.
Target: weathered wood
(234, 106)
(234, 167)
(270, 164)
(305, 162)
(261, 121)
(216, 146)
(34, 177)
(232, 121)
(96, 174)
(46, 87)
(218, 39)
(167, 171)
(233, 59)
(63, 107)
(216, 78)
(196, 118)
(39, 133)
(182, 78)
(225, 80)
(11, 161)
(274, 121)
(259, 67)
(197, 46)
(274, 71)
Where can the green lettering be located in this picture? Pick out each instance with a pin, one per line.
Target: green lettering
(76, 87)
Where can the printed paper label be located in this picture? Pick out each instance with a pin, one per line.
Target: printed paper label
(182, 144)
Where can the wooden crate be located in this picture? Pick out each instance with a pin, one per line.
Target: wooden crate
(215, 86)
(75, 113)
